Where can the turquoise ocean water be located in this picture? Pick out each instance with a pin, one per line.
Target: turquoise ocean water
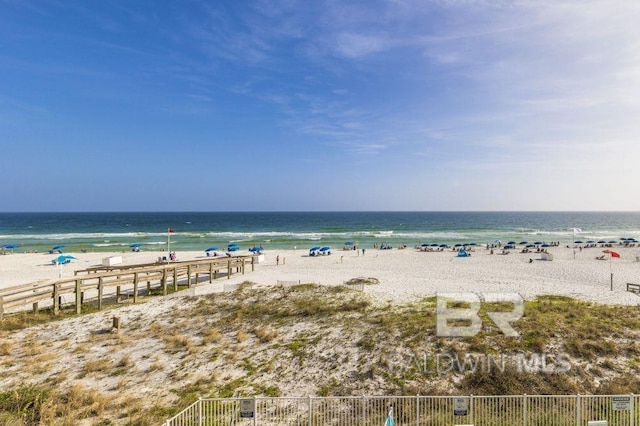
(285, 230)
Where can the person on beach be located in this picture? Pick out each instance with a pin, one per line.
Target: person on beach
(363, 251)
(277, 260)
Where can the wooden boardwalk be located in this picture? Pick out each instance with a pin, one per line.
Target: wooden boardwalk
(127, 280)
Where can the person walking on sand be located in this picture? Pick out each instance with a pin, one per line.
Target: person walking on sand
(363, 251)
(277, 260)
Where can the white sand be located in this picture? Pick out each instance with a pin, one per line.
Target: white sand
(403, 274)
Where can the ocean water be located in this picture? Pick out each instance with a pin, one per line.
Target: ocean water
(286, 230)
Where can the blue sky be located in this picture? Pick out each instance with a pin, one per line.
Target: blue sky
(326, 105)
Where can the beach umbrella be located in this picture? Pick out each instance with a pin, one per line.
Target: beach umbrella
(511, 242)
(530, 245)
(10, 246)
(211, 249)
(444, 246)
(135, 245)
(539, 242)
(545, 245)
(611, 253)
(524, 242)
(424, 245)
(348, 243)
(434, 245)
(62, 259)
(458, 245)
(590, 242)
(602, 242)
(472, 244)
(578, 242)
(58, 247)
(612, 242)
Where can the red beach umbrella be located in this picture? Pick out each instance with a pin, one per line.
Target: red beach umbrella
(611, 253)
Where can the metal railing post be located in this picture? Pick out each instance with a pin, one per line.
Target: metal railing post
(310, 405)
(633, 411)
(578, 409)
(524, 410)
(199, 411)
(255, 411)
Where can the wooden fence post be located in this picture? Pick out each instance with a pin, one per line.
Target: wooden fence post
(56, 300)
(164, 281)
(175, 278)
(78, 297)
(229, 269)
(100, 290)
(135, 287)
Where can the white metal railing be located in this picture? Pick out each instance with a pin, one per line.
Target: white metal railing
(511, 410)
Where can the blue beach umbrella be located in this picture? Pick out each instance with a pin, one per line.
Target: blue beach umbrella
(135, 245)
(545, 245)
(538, 243)
(58, 247)
(211, 249)
(578, 242)
(530, 245)
(62, 259)
(458, 245)
(612, 242)
(590, 242)
(434, 245)
(10, 246)
(602, 242)
(524, 242)
(424, 245)
(443, 246)
(511, 243)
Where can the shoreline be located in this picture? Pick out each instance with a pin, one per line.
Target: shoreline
(403, 274)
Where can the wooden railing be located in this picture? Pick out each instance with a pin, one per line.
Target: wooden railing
(126, 280)
(634, 288)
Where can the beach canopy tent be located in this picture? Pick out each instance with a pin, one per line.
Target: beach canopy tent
(211, 249)
(255, 249)
(314, 251)
(62, 259)
(9, 247)
(325, 250)
(463, 253)
(233, 247)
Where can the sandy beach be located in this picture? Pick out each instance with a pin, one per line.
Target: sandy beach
(403, 274)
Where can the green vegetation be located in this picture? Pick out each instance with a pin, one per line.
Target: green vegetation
(329, 340)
